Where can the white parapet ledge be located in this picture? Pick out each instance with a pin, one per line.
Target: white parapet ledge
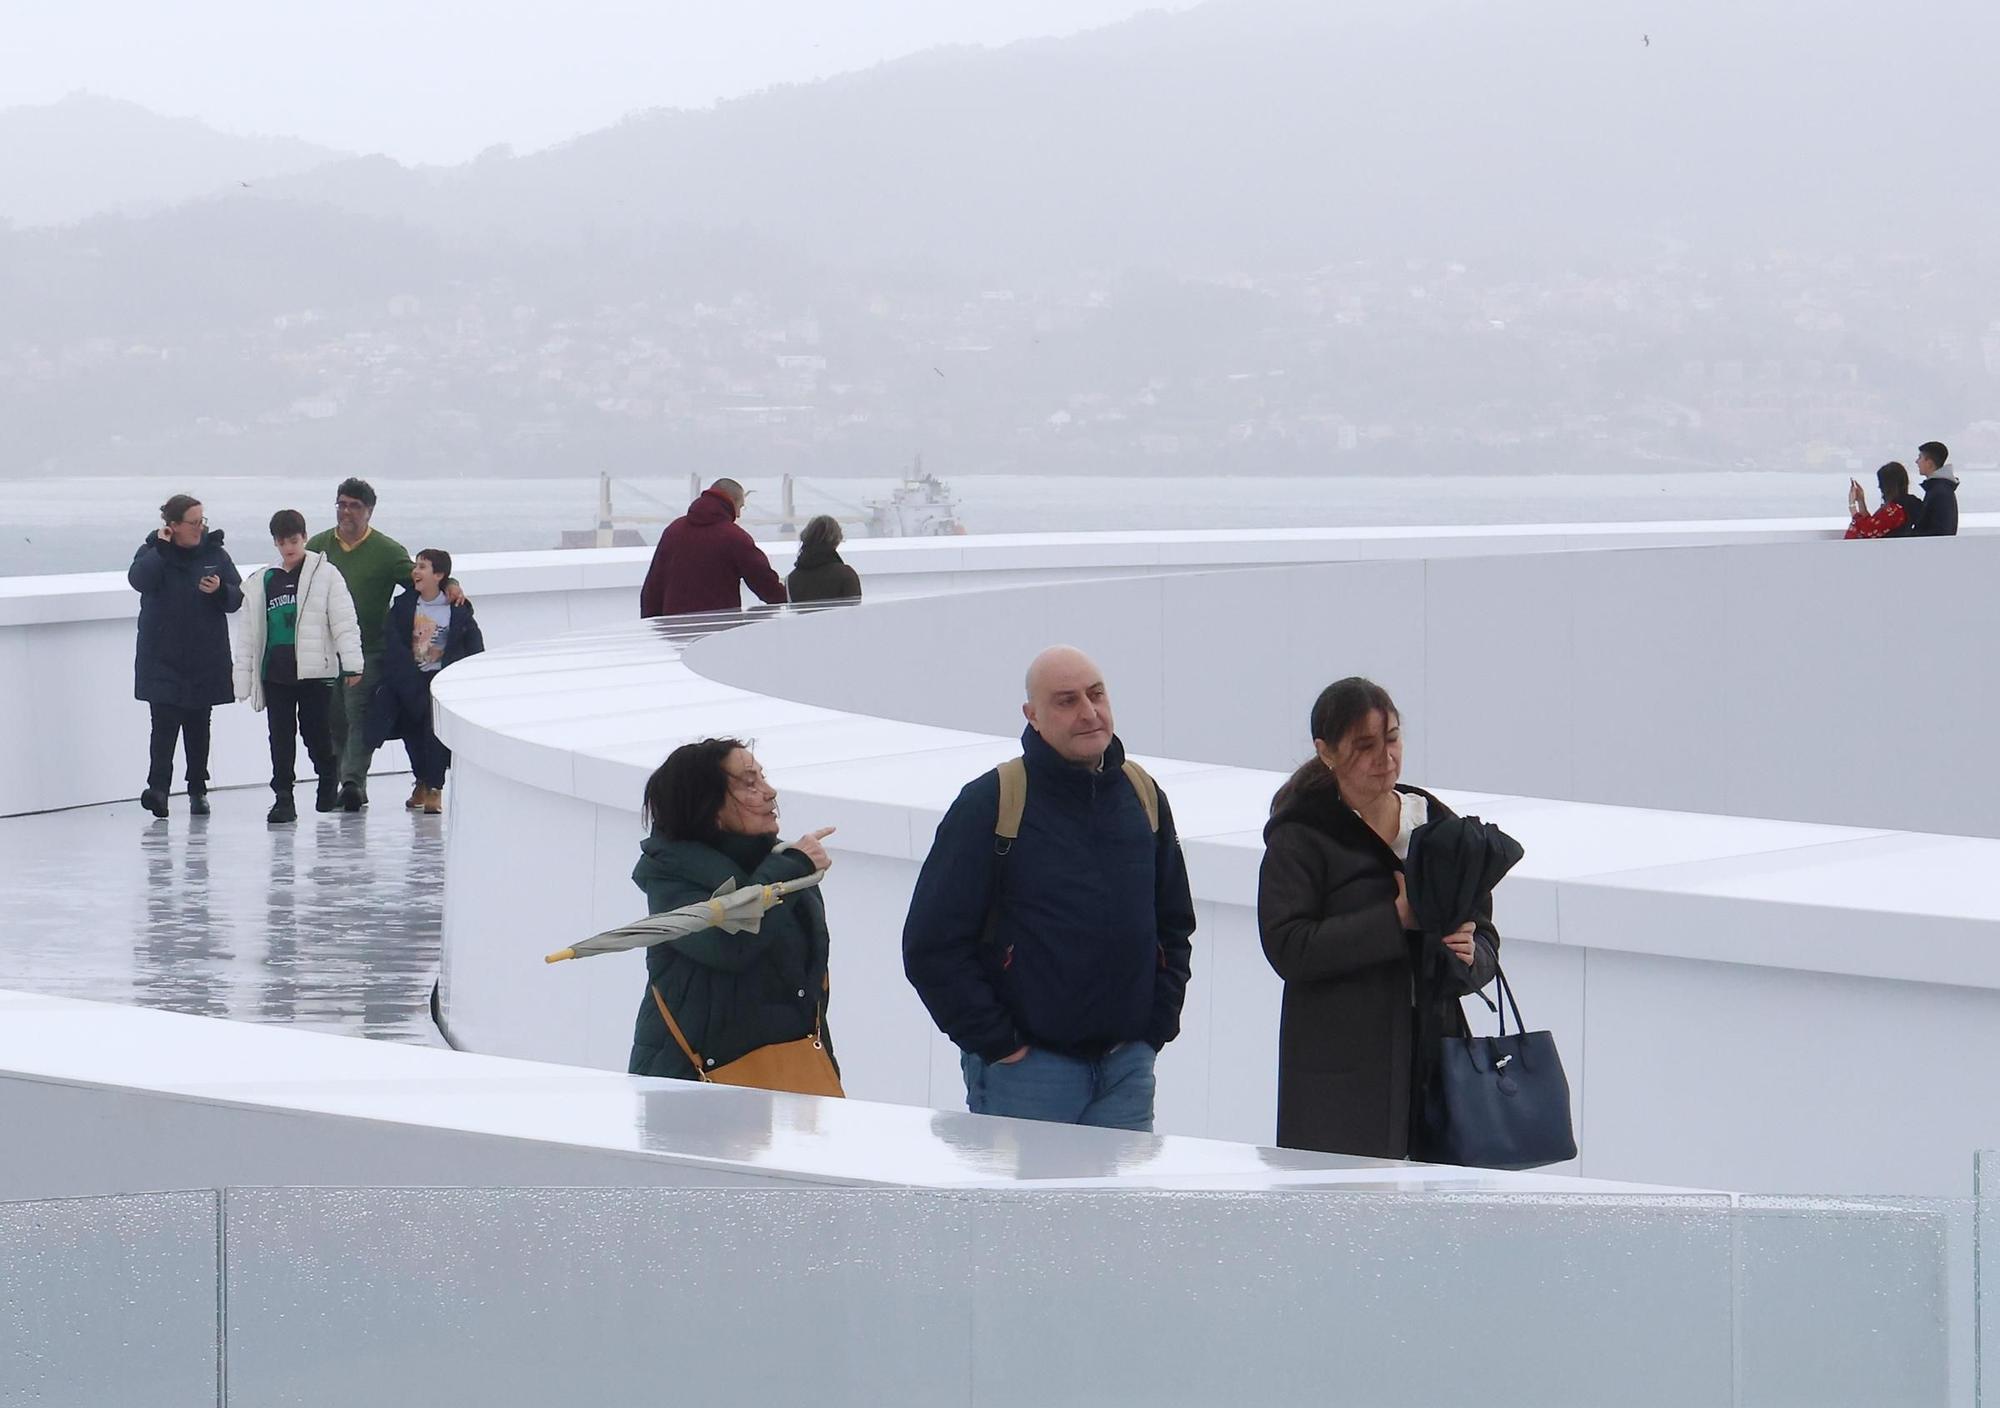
(86, 596)
(617, 1128)
(590, 715)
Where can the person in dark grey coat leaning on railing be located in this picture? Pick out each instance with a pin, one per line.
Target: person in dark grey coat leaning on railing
(187, 586)
(1938, 518)
(818, 574)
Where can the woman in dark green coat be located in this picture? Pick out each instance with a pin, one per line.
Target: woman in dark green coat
(713, 818)
(819, 574)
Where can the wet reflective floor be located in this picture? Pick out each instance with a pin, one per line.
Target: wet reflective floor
(331, 923)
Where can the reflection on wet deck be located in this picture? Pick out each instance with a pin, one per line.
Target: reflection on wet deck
(331, 924)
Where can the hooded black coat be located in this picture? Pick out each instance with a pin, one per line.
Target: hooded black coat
(1938, 518)
(1326, 910)
(820, 575)
(183, 656)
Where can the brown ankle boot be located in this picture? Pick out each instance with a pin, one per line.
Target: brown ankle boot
(416, 802)
(433, 801)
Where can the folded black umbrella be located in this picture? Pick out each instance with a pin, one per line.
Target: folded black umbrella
(1453, 863)
(1480, 1101)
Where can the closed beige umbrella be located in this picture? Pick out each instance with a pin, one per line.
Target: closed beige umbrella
(732, 908)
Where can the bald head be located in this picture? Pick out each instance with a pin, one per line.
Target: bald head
(1069, 705)
(730, 489)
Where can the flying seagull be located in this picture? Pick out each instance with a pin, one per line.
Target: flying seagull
(1647, 40)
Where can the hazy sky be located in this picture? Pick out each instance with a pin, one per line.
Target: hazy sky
(439, 80)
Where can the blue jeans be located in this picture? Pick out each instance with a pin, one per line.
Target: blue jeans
(1113, 1092)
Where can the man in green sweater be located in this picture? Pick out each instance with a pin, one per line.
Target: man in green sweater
(373, 565)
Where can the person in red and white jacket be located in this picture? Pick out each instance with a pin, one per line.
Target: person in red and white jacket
(1899, 506)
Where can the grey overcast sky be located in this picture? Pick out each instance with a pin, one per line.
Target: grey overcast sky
(439, 80)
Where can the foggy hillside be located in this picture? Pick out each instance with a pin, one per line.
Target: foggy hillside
(86, 155)
(1272, 236)
(1247, 132)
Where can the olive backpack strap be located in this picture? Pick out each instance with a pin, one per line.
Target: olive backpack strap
(1013, 775)
(1148, 792)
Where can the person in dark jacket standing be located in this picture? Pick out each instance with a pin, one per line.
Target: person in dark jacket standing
(702, 556)
(712, 817)
(1334, 914)
(425, 632)
(1056, 960)
(187, 586)
(818, 574)
(1939, 516)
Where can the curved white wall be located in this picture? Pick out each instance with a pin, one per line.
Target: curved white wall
(1703, 973)
(1813, 681)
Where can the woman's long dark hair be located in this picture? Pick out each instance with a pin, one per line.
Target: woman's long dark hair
(1341, 706)
(686, 791)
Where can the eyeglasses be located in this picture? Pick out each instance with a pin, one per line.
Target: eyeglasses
(192, 523)
(351, 505)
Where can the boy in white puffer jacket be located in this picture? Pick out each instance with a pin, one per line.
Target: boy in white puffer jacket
(296, 634)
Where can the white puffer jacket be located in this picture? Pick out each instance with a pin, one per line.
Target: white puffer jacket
(329, 637)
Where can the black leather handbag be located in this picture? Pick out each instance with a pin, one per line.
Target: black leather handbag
(1495, 1101)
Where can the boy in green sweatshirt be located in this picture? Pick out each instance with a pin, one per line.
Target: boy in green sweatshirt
(373, 565)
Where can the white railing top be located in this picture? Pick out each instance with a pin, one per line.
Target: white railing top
(621, 1124)
(85, 596)
(590, 715)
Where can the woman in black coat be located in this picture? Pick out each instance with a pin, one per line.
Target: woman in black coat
(1335, 919)
(713, 818)
(187, 586)
(819, 574)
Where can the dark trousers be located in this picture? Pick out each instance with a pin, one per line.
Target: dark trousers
(428, 757)
(296, 711)
(173, 723)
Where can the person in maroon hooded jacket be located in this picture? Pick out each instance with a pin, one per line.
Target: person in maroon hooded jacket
(702, 556)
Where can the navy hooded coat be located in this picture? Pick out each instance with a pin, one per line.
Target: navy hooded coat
(183, 656)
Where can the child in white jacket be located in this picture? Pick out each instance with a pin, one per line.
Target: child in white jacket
(297, 640)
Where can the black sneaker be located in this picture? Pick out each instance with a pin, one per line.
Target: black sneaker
(351, 799)
(197, 804)
(327, 798)
(282, 810)
(154, 801)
